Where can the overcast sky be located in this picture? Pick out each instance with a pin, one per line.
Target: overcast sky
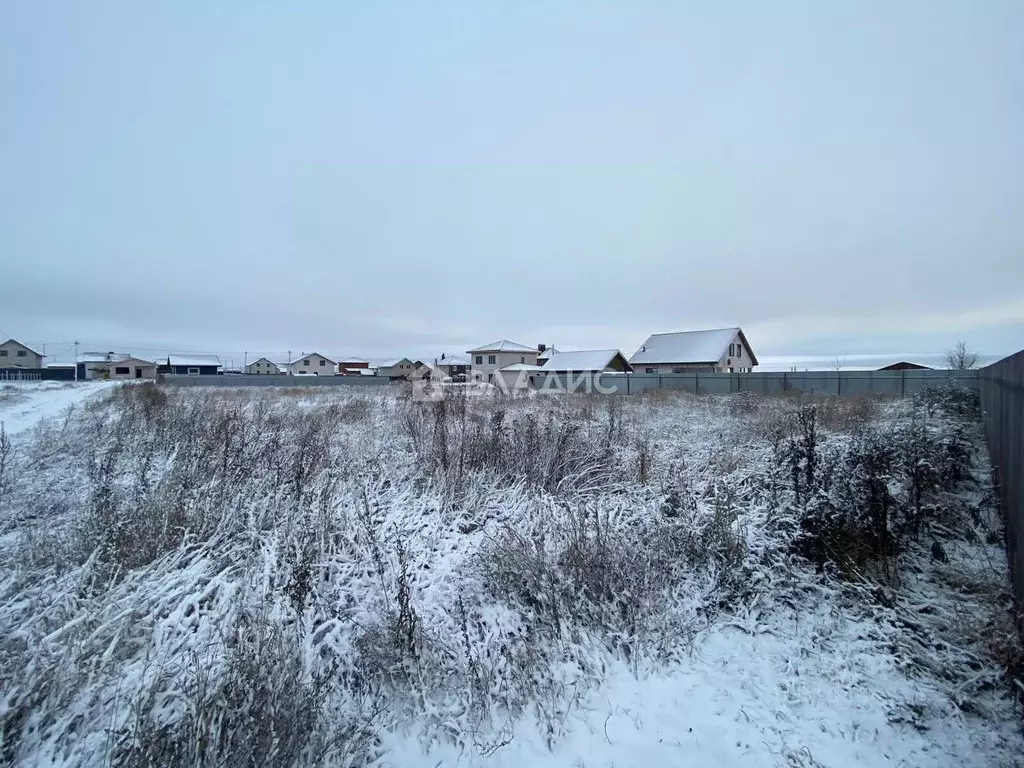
(381, 179)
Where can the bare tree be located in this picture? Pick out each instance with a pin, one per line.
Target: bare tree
(961, 357)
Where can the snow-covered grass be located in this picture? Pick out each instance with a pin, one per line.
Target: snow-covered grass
(297, 577)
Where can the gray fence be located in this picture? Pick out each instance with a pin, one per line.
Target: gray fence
(1002, 400)
(243, 380)
(898, 383)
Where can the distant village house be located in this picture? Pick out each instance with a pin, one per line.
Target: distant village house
(14, 354)
(722, 350)
(263, 367)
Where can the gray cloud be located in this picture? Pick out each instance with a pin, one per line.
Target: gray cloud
(838, 180)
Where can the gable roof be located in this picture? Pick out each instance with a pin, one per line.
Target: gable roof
(521, 367)
(194, 361)
(582, 360)
(130, 361)
(504, 345)
(689, 347)
(394, 362)
(23, 346)
(263, 360)
(311, 354)
(352, 360)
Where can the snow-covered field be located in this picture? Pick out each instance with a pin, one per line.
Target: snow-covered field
(25, 404)
(327, 577)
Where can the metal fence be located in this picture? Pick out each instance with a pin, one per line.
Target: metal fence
(37, 374)
(898, 383)
(243, 380)
(1002, 401)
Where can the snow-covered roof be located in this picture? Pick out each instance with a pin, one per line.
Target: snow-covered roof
(312, 354)
(521, 367)
(502, 346)
(194, 361)
(581, 360)
(264, 360)
(453, 360)
(132, 361)
(102, 357)
(548, 352)
(352, 360)
(689, 347)
(393, 363)
(23, 346)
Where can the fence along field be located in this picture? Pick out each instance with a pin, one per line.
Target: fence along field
(846, 383)
(1002, 399)
(341, 576)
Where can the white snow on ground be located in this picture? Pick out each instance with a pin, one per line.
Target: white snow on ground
(25, 404)
(334, 578)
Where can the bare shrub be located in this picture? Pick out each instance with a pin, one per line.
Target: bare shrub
(581, 569)
(451, 440)
(262, 708)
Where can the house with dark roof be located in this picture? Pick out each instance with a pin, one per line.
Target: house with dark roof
(721, 350)
(903, 365)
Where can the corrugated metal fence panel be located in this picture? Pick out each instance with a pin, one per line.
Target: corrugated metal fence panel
(897, 383)
(275, 381)
(1002, 401)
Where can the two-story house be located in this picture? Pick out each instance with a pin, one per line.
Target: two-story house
(263, 367)
(487, 361)
(454, 367)
(315, 364)
(14, 354)
(722, 350)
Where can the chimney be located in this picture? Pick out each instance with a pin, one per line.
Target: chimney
(541, 347)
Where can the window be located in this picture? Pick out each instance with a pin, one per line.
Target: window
(323, 363)
(122, 371)
(22, 353)
(193, 371)
(732, 350)
(491, 359)
(650, 370)
(3, 353)
(522, 359)
(479, 359)
(305, 362)
(739, 350)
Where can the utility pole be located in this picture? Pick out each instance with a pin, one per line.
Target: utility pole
(76, 360)
(289, 362)
(245, 361)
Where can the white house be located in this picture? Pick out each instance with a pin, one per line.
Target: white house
(313, 363)
(587, 361)
(722, 350)
(263, 367)
(491, 358)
